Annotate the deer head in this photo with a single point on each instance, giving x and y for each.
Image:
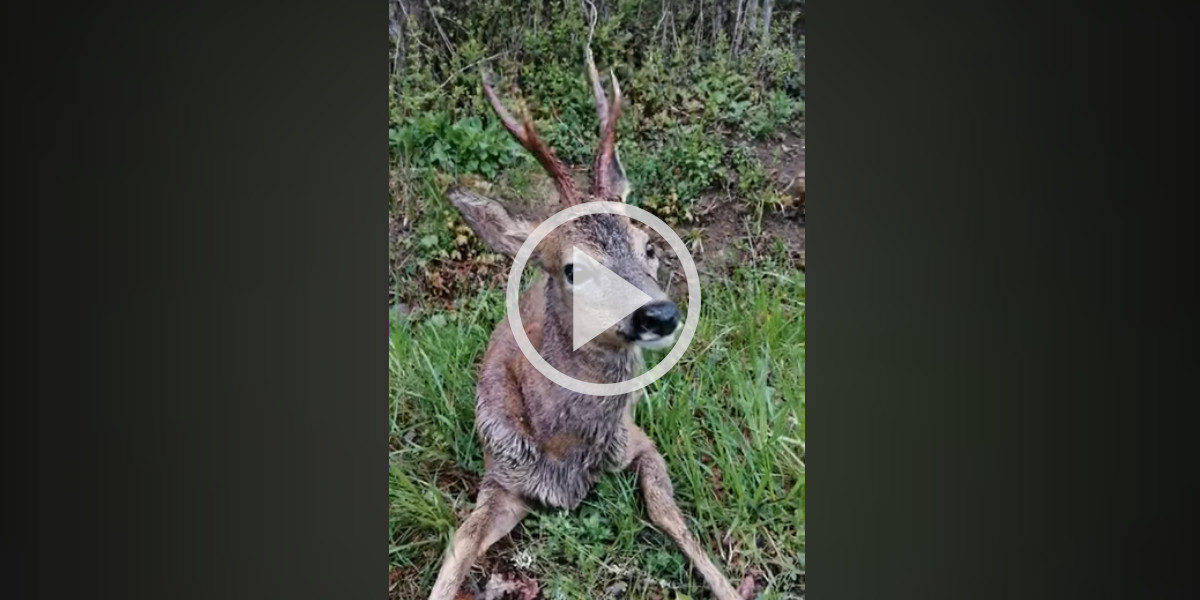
(610, 239)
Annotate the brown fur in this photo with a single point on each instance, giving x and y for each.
(544, 443)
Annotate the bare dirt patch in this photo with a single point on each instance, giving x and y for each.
(783, 159)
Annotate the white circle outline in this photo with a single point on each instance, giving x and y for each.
(513, 293)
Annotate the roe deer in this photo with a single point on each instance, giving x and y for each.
(542, 442)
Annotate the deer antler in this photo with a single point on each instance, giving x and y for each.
(608, 177)
(527, 136)
(597, 89)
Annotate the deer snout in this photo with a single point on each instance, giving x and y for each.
(655, 320)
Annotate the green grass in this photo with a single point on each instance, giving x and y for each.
(729, 418)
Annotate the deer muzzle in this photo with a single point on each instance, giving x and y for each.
(655, 322)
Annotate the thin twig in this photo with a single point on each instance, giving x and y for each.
(737, 26)
(438, 24)
(674, 33)
(456, 73)
(592, 14)
(659, 24)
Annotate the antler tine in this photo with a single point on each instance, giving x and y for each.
(506, 118)
(597, 89)
(527, 136)
(608, 135)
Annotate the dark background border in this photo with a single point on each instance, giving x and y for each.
(999, 296)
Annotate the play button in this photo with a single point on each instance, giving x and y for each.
(601, 298)
(591, 314)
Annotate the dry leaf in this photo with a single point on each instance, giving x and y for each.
(747, 588)
(513, 586)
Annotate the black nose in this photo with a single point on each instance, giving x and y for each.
(659, 318)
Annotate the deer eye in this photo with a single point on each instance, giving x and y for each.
(569, 272)
(649, 250)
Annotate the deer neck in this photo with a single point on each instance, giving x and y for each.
(595, 361)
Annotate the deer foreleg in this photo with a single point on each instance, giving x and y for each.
(496, 512)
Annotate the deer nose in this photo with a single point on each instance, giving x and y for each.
(659, 318)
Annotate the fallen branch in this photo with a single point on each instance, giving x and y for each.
(476, 63)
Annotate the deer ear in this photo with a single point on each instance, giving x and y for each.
(497, 227)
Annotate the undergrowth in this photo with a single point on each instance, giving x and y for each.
(690, 99)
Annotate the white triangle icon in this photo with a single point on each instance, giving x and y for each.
(601, 298)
